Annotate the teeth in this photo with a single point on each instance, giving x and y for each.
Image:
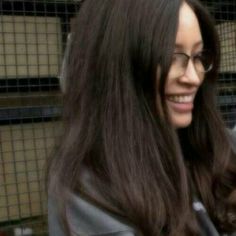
(185, 98)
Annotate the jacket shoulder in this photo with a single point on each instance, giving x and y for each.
(86, 219)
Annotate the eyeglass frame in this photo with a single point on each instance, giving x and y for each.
(193, 58)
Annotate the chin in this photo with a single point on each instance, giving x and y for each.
(181, 121)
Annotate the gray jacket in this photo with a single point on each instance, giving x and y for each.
(86, 219)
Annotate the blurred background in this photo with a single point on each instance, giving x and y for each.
(33, 39)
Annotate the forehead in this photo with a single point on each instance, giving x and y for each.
(189, 33)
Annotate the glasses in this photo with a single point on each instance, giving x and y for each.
(203, 63)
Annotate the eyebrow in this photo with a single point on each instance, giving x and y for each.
(197, 44)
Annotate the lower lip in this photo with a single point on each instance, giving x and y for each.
(181, 107)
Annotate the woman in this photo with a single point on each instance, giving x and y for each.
(143, 137)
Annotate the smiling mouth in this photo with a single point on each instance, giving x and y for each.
(181, 104)
(181, 98)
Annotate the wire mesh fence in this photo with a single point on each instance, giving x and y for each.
(32, 40)
(224, 13)
(33, 35)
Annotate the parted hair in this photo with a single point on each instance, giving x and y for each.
(116, 125)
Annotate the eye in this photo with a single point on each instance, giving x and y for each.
(178, 58)
(174, 57)
(199, 57)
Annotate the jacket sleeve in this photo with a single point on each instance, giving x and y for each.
(85, 219)
(232, 138)
(54, 225)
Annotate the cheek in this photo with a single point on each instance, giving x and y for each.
(169, 82)
(171, 76)
(202, 77)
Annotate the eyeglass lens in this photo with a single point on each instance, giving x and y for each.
(202, 62)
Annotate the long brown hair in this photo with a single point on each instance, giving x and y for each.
(115, 128)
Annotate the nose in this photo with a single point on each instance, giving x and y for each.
(191, 76)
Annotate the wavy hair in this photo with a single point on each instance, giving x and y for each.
(115, 124)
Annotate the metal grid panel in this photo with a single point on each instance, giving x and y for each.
(225, 16)
(227, 85)
(33, 35)
(32, 40)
